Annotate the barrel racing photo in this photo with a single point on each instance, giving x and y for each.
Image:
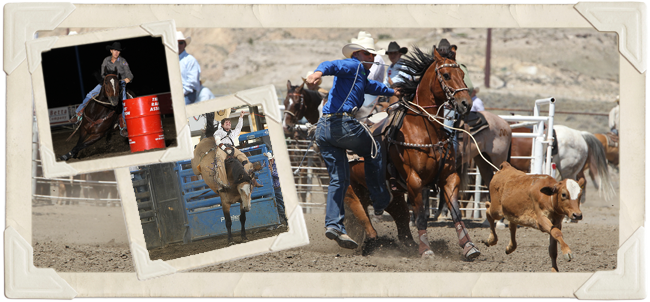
(108, 99)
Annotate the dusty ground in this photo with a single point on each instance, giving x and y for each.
(103, 148)
(87, 238)
(178, 250)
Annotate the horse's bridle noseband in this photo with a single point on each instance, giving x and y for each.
(449, 92)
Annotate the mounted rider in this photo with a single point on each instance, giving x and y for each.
(225, 137)
(112, 62)
(338, 131)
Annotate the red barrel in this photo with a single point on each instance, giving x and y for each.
(143, 123)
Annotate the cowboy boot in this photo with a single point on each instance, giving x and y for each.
(77, 117)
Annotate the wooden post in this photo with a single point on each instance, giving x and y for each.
(488, 54)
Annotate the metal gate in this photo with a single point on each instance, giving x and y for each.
(162, 213)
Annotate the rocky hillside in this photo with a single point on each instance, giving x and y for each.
(579, 67)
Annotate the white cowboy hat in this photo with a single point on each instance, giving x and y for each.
(72, 33)
(269, 155)
(364, 41)
(180, 36)
(320, 81)
(222, 114)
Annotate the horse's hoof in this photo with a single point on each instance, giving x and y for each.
(568, 257)
(428, 254)
(471, 252)
(231, 243)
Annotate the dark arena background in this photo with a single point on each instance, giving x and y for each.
(71, 72)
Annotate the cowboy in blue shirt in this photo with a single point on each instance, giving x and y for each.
(338, 130)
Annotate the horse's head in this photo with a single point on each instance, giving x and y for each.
(111, 86)
(294, 107)
(244, 190)
(449, 84)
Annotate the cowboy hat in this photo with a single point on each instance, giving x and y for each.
(364, 41)
(222, 114)
(116, 45)
(394, 47)
(269, 155)
(320, 81)
(180, 36)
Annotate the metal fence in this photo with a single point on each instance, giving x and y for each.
(97, 189)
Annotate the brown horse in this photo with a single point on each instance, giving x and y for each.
(357, 200)
(610, 143)
(421, 151)
(521, 146)
(100, 115)
(299, 103)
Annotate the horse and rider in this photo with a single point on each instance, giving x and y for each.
(120, 67)
(226, 170)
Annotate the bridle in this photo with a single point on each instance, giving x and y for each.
(300, 103)
(449, 92)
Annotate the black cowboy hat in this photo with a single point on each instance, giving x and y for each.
(116, 46)
(393, 47)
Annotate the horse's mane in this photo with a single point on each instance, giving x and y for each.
(415, 65)
(314, 95)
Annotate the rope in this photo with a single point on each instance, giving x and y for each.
(98, 101)
(434, 118)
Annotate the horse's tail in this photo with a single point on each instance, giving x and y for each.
(598, 166)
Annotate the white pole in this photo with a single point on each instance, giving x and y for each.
(34, 153)
(477, 196)
(549, 135)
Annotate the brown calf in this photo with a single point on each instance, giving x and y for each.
(537, 201)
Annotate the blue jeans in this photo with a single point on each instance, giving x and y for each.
(334, 135)
(191, 98)
(279, 200)
(96, 91)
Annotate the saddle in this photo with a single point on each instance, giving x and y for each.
(612, 139)
(476, 122)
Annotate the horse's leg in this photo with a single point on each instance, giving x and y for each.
(226, 215)
(451, 185)
(400, 213)
(418, 195)
(242, 219)
(358, 210)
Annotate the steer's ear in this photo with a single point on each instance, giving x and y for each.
(549, 190)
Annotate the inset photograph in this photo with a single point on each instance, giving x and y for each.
(227, 196)
(106, 98)
(229, 193)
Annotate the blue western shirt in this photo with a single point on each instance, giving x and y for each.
(344, 72)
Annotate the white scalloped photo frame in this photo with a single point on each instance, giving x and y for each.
(628, 281)
(296, 236)
(54, 168)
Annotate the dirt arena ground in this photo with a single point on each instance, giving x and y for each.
(93, 239)
(116, 146)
